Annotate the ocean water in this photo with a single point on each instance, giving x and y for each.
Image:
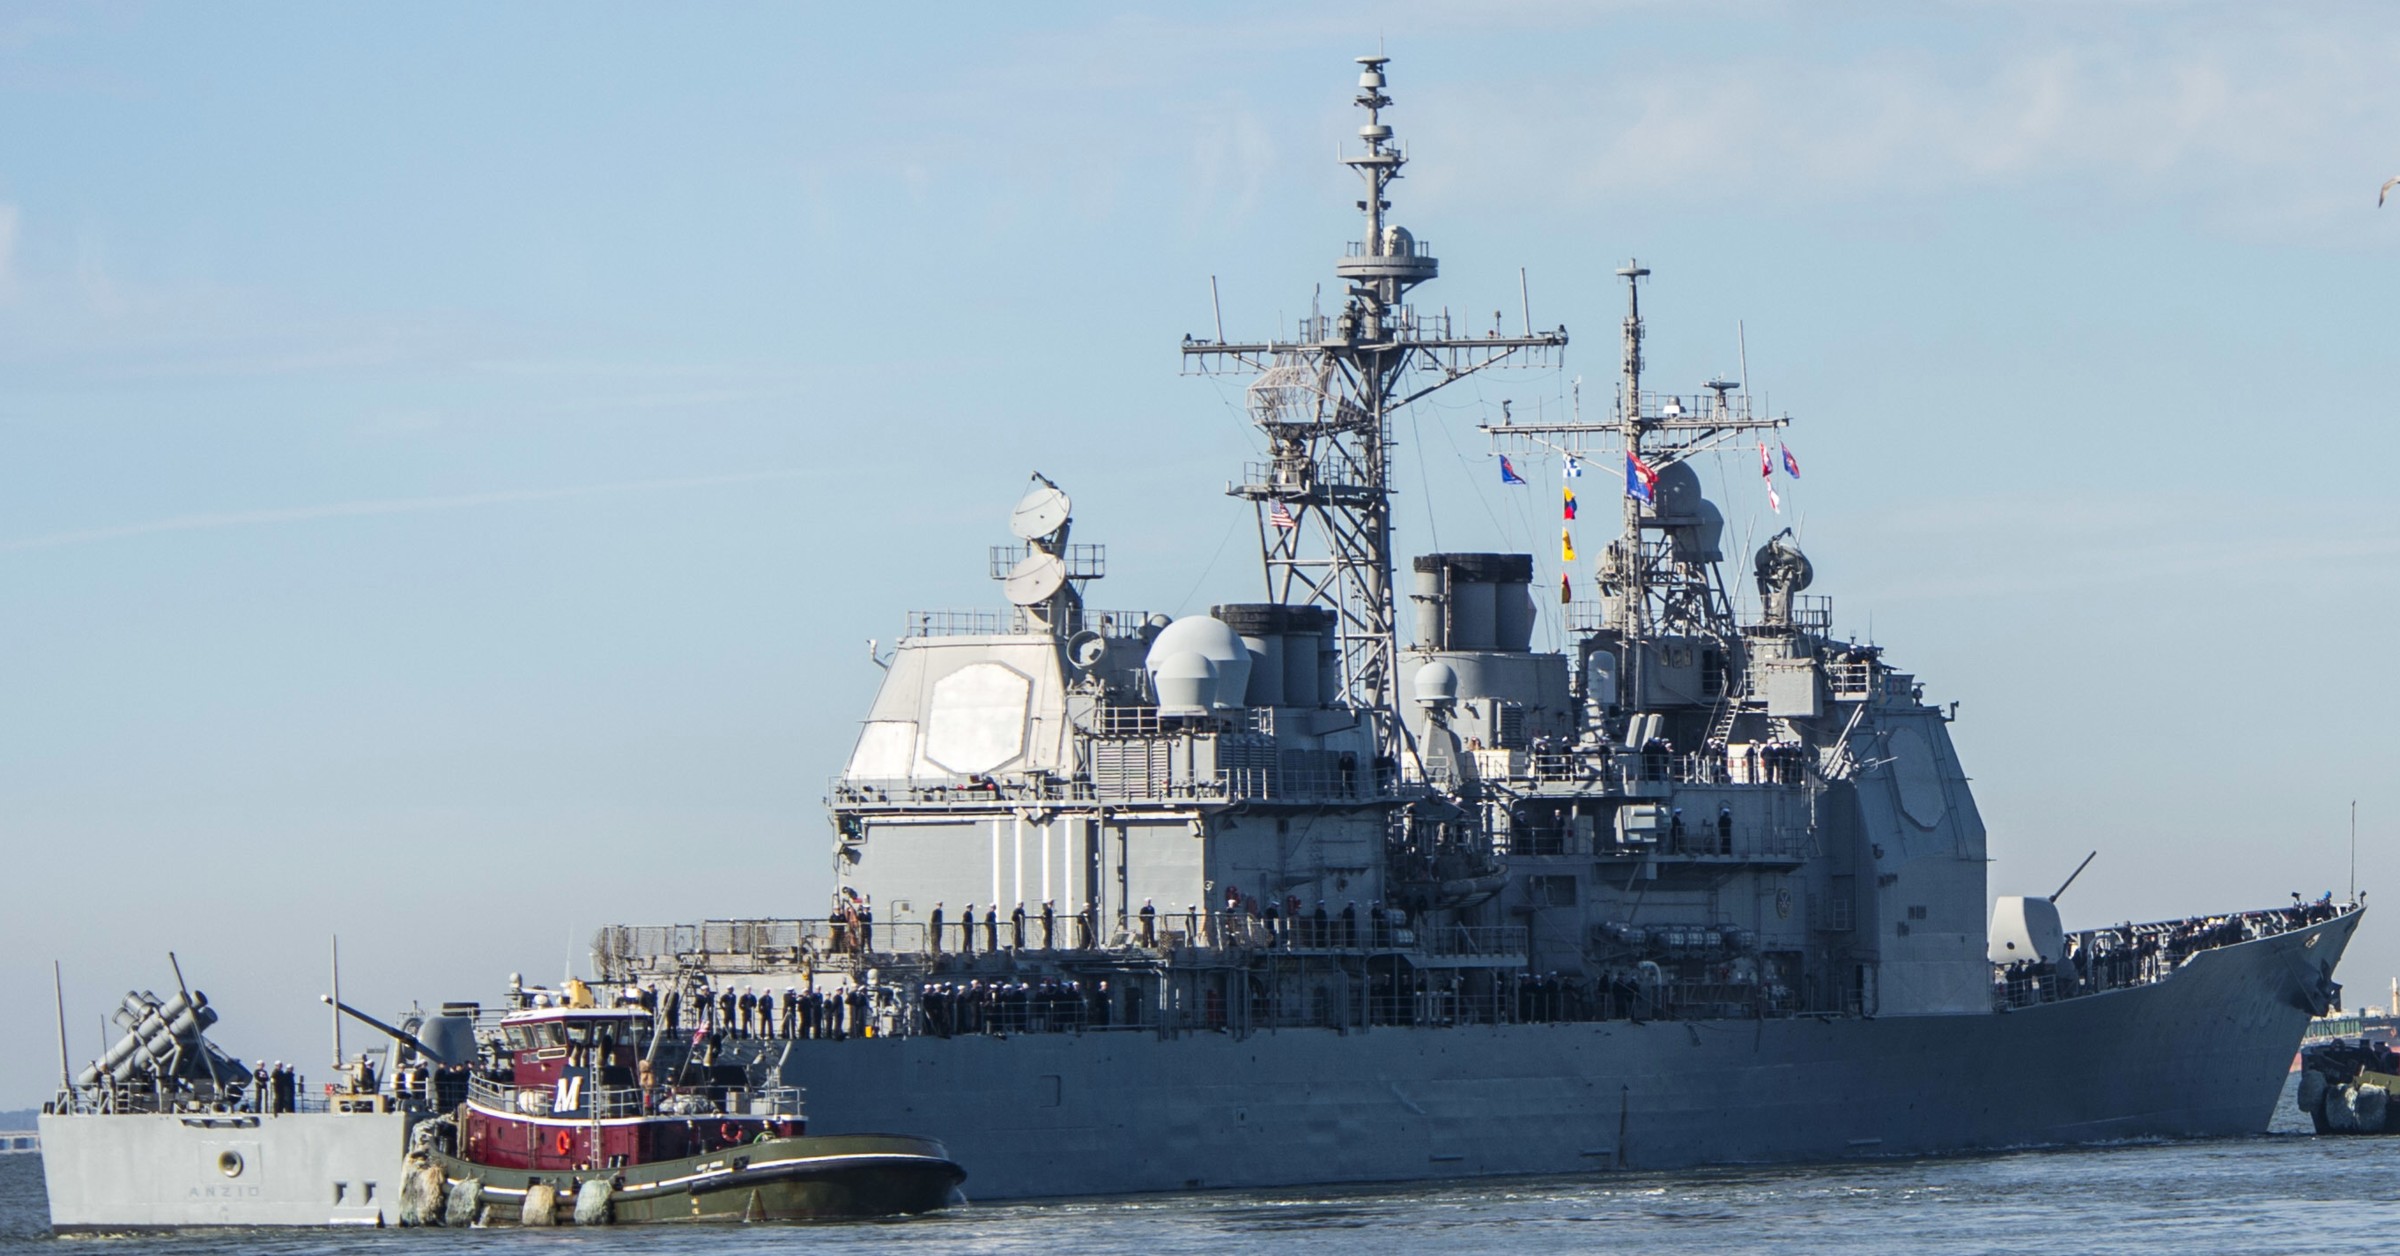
(2285, 1191)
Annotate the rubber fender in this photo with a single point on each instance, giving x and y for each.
(2372, 1102)
(2341, 1112)
(465, 1203)
(540, 1206)
(592, 1202)
(423, 1195)
(2311, 1099)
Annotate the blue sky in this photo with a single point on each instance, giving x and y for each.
(451, 460)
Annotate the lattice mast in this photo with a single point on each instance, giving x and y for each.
(1325, 401)
(1647, 589)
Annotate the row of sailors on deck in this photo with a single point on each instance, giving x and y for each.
(1282, 924)
(271, 1090)
(1085, 924)
(752, 1013)
(999, 1007)
(2127, 954)
(1720, 762)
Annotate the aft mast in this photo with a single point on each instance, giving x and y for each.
(1649, 586)
(1325, 400)
(1630, 619)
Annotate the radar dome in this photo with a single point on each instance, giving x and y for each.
(1212, 639)
(1436, 684)
(1678, 493)
(1185, 682)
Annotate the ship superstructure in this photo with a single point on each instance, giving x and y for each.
(1674, 814)
(1359, 856)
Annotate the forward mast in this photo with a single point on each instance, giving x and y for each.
(1325, 400)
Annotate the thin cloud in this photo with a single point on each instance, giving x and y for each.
(381, 506)
(2243, 118)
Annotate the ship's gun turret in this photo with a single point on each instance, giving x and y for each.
(455, 1048)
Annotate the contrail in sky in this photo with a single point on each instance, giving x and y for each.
(382, 506)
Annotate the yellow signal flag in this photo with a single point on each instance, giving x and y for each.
(1566, 545)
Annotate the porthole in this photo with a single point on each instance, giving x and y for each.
(229, 1163)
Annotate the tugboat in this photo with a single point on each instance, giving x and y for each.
(591, 1111)
(2346, 1086)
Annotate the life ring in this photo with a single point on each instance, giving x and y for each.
(565, 1142)
(730, 1132)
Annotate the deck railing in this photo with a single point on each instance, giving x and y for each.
(2124, 956)
(607, 1102)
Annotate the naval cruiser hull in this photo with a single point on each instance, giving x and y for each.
(2201, 1053)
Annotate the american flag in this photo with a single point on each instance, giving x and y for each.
(1281, 517)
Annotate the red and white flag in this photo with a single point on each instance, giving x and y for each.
(1281, 517)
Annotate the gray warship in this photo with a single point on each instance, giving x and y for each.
(166, 1131)
(1352, 883)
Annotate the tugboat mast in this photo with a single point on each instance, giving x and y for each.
(1325, 400)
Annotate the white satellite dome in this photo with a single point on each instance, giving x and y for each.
(1436, 684)
(1185, 682)
(1211, 639)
